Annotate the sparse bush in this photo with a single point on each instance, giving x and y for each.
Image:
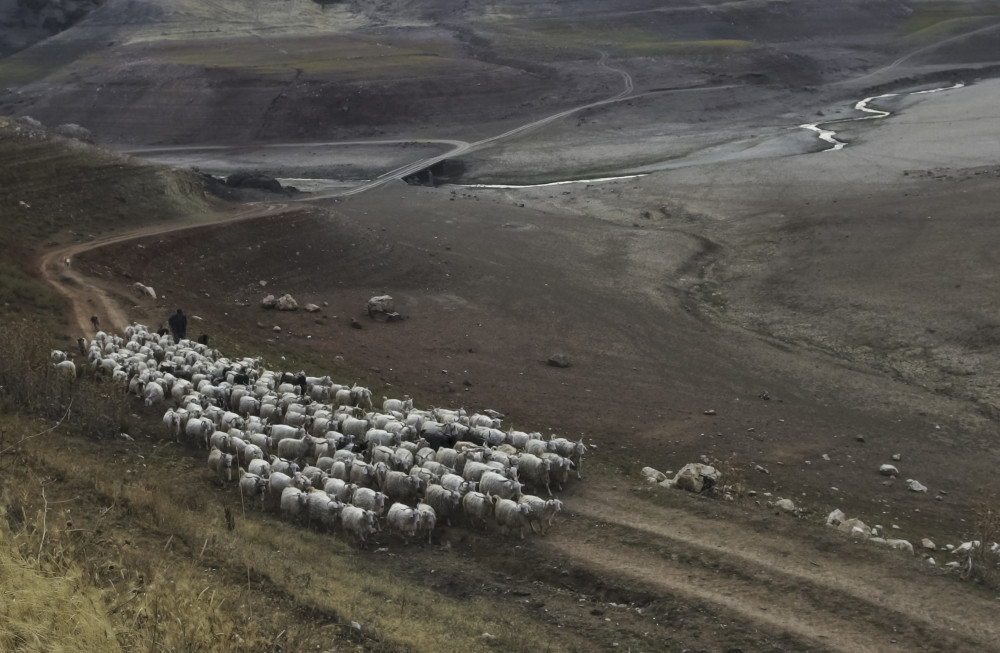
(30, 384)
(983, 563)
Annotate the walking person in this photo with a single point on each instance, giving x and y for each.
(178, 325)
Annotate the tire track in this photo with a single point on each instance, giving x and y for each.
(86, 299)
(834, 601)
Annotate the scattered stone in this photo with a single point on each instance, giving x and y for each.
(915, 486)
(276, 329)
(261, 325)
(326, 303)
(653, 476)
(72, 130)
(381, 305)
(762, 470)
(270, 301)
(902, 545)
(855, 528)
(928, 544)
(836, 517)
(287, 303)
(826, 456)
(355, 324)
(765, 395)
(931, 561)
(558, 360)
(710, 411)
(860, 438)
(896, 457)
(785, 504)
(888, 470)
(696, 477)
(311, 308)
(939, 498)
(263, 284)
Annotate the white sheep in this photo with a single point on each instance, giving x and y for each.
(494, 484)
(66, 368)
(444, 501)
(359, 523)
(293, 501)
(403, 520)
(222, 464)
(369, 499)
(511, 515)
(252, 486)
(541, 510)
(478, 507)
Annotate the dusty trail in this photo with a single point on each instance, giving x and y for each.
(87, 299)
(832, 599)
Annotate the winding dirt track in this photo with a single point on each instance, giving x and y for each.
(87, 299)
(832, 600)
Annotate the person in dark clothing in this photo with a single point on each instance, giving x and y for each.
(178, 325)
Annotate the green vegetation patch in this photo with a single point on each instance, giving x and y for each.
(937, 19)
(361, 57)
(637, 40)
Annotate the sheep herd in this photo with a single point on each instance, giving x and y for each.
(320, 453)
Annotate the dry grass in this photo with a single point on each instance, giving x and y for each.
(149, 535)
(29, 383)
(983, 563)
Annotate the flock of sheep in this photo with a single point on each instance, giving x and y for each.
(321, 453)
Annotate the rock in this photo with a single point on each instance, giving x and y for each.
(261, 325)
(710, 411)
(915, 486)
(311, 308)
(355, 324)
(653, 476)
(381, 305)
(859, 438)
(262, 283)
(269, 302)
(696, 477)
(902, 545)
(928, 544)
(876, 540)
(558, 360)
(287, 303)
(888, 470)
(836, 518)
(669, 483)
(276, 329)
(785, 504)
(855, 528)
(896, 457)
(253, 180)
(931, 561)
(72, 130)
(762, 470)
(826, 456)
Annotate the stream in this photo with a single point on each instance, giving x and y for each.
(829, 135)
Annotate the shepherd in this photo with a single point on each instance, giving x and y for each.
(178, 325)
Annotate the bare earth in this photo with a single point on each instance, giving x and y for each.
(831, 308)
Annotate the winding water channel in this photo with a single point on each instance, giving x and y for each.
(829, 135)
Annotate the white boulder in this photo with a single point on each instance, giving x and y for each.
(902, 545)
(888, 470)
(653, 476)
(695, 477)
(287, 303)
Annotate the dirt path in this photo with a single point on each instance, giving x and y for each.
(835, 599)
(86, 299)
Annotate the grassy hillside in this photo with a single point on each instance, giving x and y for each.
(58, 190)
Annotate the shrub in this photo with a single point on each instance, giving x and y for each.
(30, 384)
